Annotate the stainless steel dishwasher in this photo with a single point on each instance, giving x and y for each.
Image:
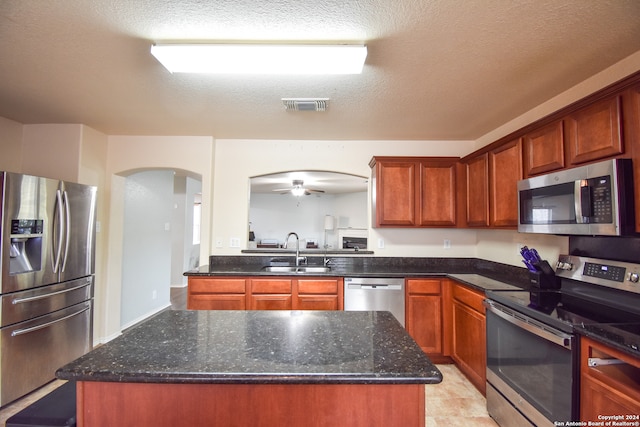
(375, 294)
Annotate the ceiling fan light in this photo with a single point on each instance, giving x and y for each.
(261, 58)
(298, 191)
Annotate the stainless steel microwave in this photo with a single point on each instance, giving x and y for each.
(595, 199)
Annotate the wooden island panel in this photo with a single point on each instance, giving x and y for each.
(266, 405)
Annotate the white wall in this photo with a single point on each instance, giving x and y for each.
(237, 160)
(130, 154)
(272, 216)
(146, 254)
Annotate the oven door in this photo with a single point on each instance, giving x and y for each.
(532, 367)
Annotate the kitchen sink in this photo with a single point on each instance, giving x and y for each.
(297, 269)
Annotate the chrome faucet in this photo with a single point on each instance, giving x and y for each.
(298, 257)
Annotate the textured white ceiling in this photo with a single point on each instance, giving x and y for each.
(437, 69)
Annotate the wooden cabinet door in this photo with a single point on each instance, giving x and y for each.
(316, 302)
(506, 169)
(270, 294)
(437, 193)
(208, 293)
(478, 191)
(544, 149)
(609, 389)
(594, 132)
(395, 193)
(423, 314)
(317, 294)
(631, 127)
(469, 348)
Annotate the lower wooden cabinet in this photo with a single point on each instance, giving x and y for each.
(205, 293)
(319, 294)
(424, 316)
(612, 389)
(264, 293)
(468, 344)
(270, 294)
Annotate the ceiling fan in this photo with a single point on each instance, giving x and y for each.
(297, 189)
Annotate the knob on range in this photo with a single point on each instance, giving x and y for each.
(564, 265)
(634, 277)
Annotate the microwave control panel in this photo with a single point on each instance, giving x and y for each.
(601, 200)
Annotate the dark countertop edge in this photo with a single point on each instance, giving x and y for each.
(461, 269)
(252, 379)
(604, 340)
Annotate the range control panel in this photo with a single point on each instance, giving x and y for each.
(614, 274)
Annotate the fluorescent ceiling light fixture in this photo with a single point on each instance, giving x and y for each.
(261, 58)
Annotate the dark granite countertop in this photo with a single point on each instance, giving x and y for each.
(477, 273)
(483, 283)
(259, 347)
(623, 337)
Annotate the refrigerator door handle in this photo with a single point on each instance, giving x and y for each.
(67, 222)
(50, 294)
(57, 245)
(47, 324)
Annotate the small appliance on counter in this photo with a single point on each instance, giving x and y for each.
(541, 274)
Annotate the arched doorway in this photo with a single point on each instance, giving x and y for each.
(158, 242)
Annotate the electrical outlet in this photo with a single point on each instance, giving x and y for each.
(447, 244)
(380, 243)
(219, 243)
(154, 294)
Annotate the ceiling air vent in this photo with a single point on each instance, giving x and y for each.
(305, 104)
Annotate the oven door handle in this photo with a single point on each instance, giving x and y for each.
(530, 325)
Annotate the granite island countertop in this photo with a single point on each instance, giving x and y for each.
(259, 347)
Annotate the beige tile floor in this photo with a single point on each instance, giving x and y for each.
(455, 402)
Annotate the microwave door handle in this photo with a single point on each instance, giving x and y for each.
(577, 202)
(585, 201)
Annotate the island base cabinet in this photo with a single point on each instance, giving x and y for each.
(266, 405)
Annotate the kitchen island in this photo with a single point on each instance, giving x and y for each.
(258, 368)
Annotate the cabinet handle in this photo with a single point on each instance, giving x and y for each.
(597, 361)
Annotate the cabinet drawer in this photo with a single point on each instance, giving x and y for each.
(217, 286)
(217, 302)
(271, 286)
(468, 297)
(318, 286)
(424, 286)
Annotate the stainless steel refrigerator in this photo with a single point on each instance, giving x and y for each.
(47, 259)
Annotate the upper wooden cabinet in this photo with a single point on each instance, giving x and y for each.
(505, 166)
(414, 191)
(477, 170)
(543, 150)
(631, 128)
(594, 132)
(492, 186)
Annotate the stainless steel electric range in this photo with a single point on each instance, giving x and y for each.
(532, 338)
